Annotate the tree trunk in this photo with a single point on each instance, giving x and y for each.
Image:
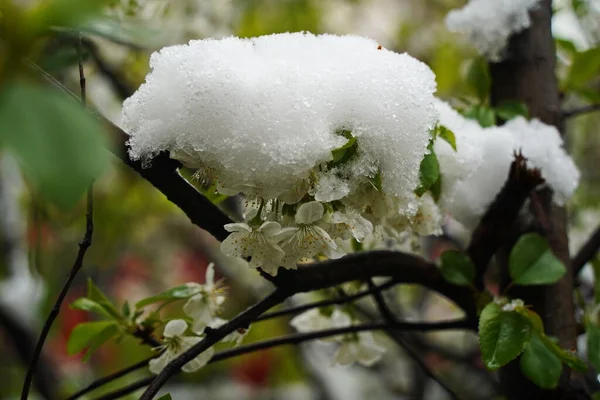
(527, 75)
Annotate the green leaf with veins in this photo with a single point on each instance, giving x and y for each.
(531, 262)
(503, 335)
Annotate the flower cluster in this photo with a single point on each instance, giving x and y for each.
(332, 141)
(202, 306)
(355, 347)
(489, 23)
(324, 136)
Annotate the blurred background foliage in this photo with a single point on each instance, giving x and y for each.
(50, 152)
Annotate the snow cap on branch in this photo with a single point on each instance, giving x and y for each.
(489, 23)
(474, 174)
(262, 113)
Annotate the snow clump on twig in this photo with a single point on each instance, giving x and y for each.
(489, 23)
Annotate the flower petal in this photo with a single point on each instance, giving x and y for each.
(237, 227)
(175, 327)
(158, 364)
(310, 212)
(270, 228)
(210, 275)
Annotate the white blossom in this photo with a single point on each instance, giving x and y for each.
(207, 302)
(259, 244)
(360, 348)
(311, 320)
(489, 23)
(428, 218)
(349, 224)
(236, 336)
(175, 343)
(307, 239)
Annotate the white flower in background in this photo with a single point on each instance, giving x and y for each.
(311, 320)
(236, 336)
(345, 225)
(175, 343)
(428, 219)
(489, 23)
(308, 239)
(353, 347)
(360, 348)
(259, 244)
(204, 305)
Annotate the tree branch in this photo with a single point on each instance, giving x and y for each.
(389, 317)
(242, 320)
(324, 303)
(109, 378)
(581, 110)
(494, 228)
(77, 265)
(587, 252)
(298, 338)
(404, 268)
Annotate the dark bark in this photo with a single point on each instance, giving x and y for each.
(527, 75)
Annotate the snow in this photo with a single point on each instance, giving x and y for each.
(266, 112)
(474, 174)
(488, 24)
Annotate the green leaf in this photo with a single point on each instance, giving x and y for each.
(502, 335)
(376, 181)
(568, 357)
(429, 172)
(540, 365)
(593, 344)
(128, 32)
(176, 293)
(99, 340)
(457, 268)
(584, 68)
(531, 262)
(65, 12)
(57, 142)
(344, 153)
(566, 45)
(478, 78)
(95, 294)
(85, 304)
(447, 135)
(482, 114)
(508, 110)
(165, 397)
(90, 333)
(126, 310)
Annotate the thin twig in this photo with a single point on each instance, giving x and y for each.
(388, 316)
(324, 303)
(109, 378)
(298, 338)
(77, 265)
(581, 110)
(587, 252)
(280, 313)
(124, 391)
(242, 320)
